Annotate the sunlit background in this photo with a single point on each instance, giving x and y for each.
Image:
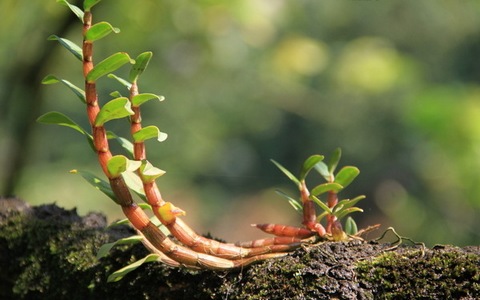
(395, 84)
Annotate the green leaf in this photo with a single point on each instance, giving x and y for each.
(322, 168)
(99, 31)
(149, 132)
(51, 79)
(69, 45)
(114, 109)
(76, 10)
(326, 187)
(124, 143)
(105, 248)
(141, 63)
(346, 203)
(346, 175)
(123, 221)
(321, 204)
(321, 216)
(309, 164)
(345, 212)
(122, 81)
(108, 65)
(116, 94)
(350, 226)
(88, 4)
(287, 173)
(119, 274)
(97, 183)
(294, 203)
(149, 172)
(333, 162)
(57, 118)
(142, 98)
(119, 164)
(135, 184)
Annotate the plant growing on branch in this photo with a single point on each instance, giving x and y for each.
(133, 174)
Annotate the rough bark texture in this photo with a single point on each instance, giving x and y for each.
(47, 252)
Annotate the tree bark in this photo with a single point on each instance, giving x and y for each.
(47, 252)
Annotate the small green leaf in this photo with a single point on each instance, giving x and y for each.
(321, 204)
(346, 203)
(309, 164)
(69, 45)
(105, 248)
(287, 173)
(135, 184)
(149, 132)
(122, 81)
(149, 172)
(326, 187)
(322, 168)
(321, 216)
(333, 162)
(100, 30)
(345, 212)
(76, 10)
(119, 164)
(346, 175)
(350, 226)
(126, 144)
(55, 117)
(88, 4)
(294, 203)
(119, 274)
(51, 79)
(108, 65)
(114, 109)
(97, 182)
(141, 63)
(58, 118)
(116, 94)
(142, 98)
(123, 221)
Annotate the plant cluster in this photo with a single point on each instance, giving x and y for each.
(132, 174)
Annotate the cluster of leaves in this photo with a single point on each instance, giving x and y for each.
(117, 108)
(334, 183)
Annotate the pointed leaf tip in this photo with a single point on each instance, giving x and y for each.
(69, 45)
(75, 9)
(51, 79)
(119, 274)
(286, 172)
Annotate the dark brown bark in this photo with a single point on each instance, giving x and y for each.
(47, 252)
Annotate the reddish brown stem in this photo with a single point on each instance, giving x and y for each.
(176, 226)
(135, 214)
(309, 212)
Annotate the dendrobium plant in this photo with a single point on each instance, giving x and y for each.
(135, 174)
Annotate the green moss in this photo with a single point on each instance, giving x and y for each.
(438, 274)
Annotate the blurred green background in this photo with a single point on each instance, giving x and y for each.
(395, 84)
